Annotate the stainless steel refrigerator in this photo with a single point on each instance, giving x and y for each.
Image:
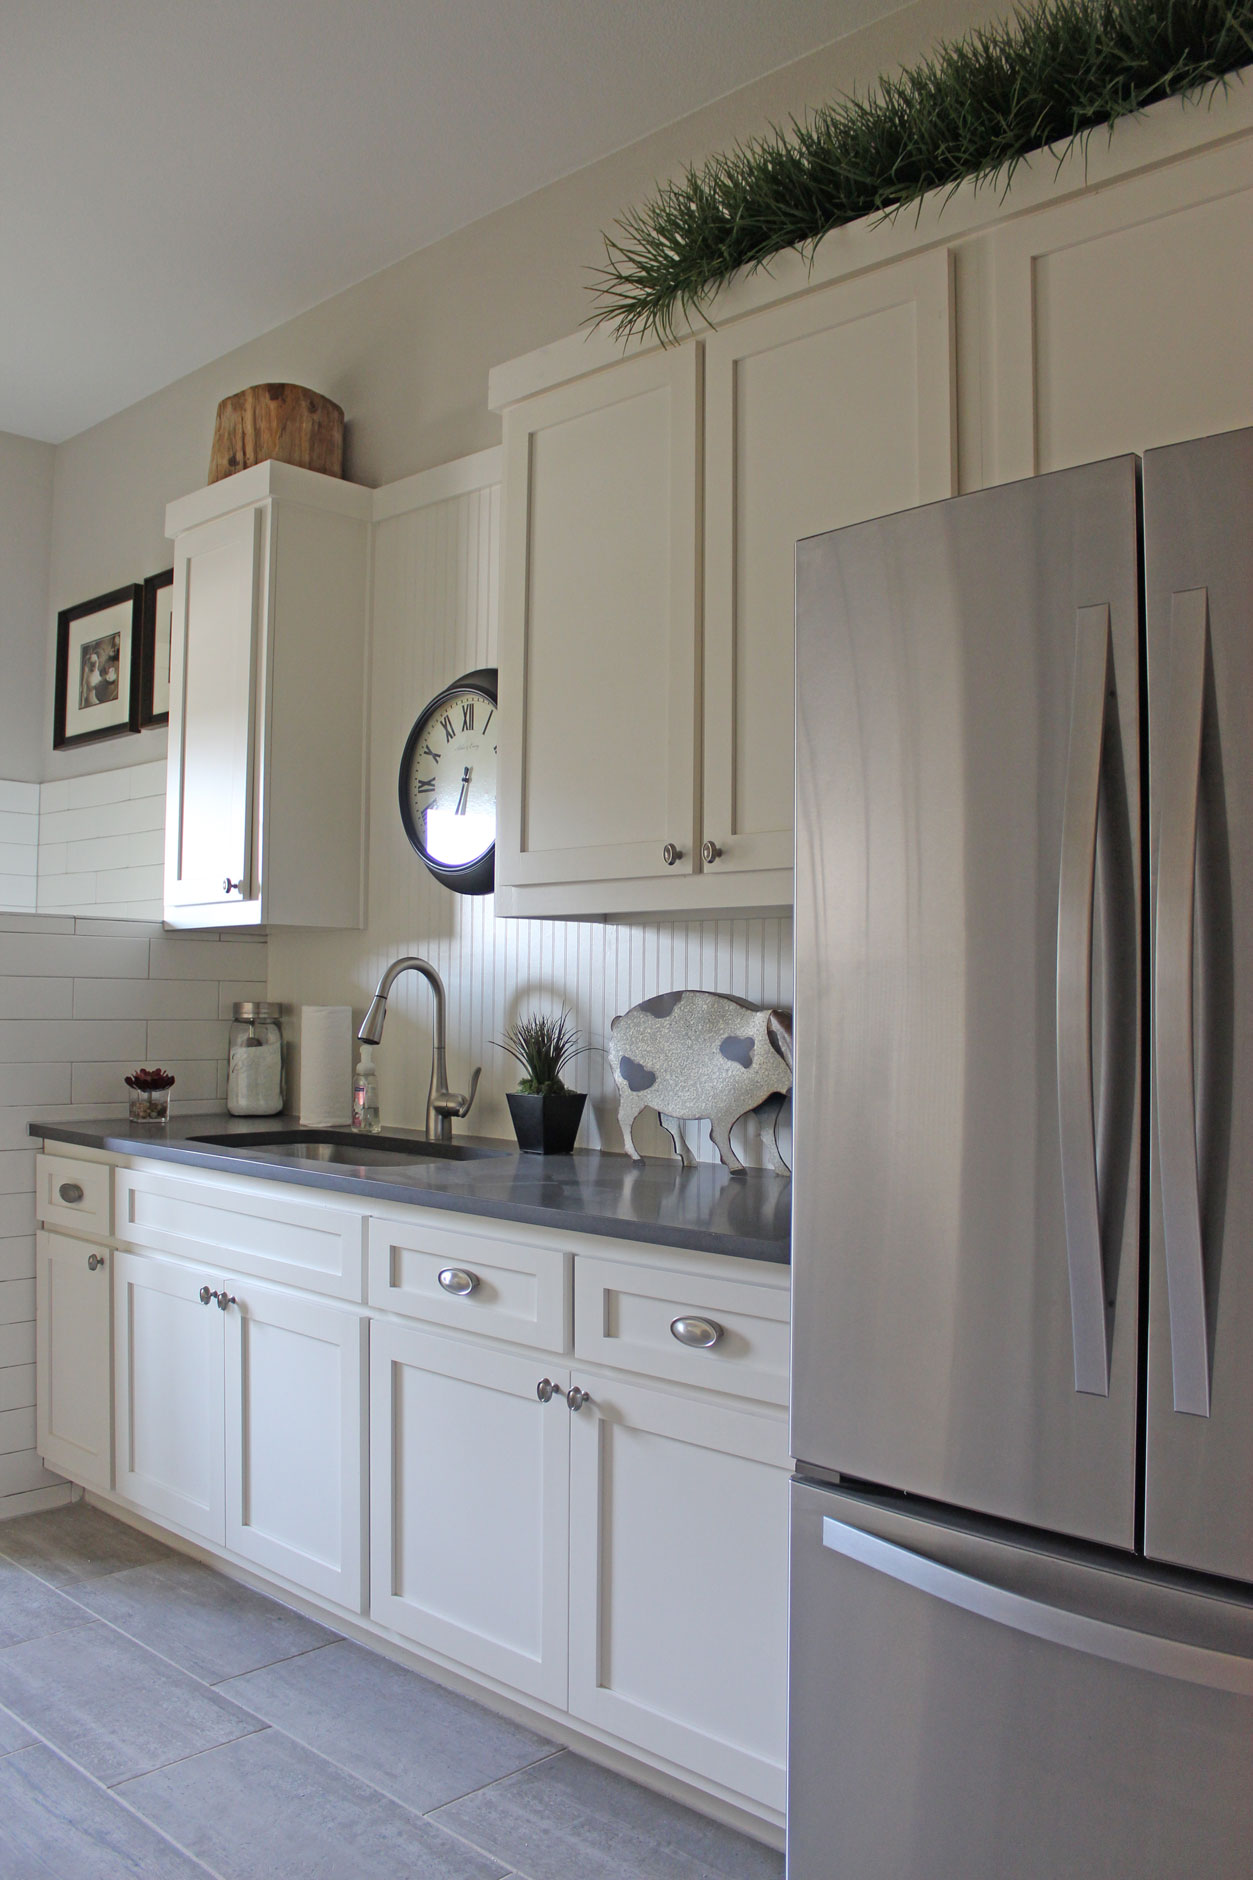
(1022, 1525)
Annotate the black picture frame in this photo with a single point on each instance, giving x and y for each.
(149, 652)
(78, 655)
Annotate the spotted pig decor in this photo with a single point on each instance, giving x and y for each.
(689, 1055)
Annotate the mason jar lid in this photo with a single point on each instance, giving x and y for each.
(250, 1010)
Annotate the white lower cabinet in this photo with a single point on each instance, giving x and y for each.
(678, 1580)
(244, 1424)
(170, 1394)
(73, 1376)
(469, 1505)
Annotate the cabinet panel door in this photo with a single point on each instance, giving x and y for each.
(830, 409)
(678, 1581)
(468, 1506)
(73, 1358)
(210, 788)
(1122, 317)
(169, 1396)
(295, 1438)
(598, 641)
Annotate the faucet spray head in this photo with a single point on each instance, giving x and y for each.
(371, 1031)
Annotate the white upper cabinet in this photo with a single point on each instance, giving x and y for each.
(824, 411)
(599, 660)
(265, 800)
(1122, 316)
(646, 759)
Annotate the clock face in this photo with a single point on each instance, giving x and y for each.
(448, 784)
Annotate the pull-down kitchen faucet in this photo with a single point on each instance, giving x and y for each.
(442, 1104)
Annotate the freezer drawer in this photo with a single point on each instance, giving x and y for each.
(965, 1709)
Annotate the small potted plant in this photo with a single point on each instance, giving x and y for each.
(545, 1114)
(150, 1095)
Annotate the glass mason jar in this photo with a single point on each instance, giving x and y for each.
(254, 1071)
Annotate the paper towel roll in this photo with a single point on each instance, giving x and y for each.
(325, 1065)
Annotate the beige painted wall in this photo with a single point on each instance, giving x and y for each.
(26, 471)
(408, 351)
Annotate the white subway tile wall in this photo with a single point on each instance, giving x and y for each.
(82, 1002)
(102, 843)
(19, 845)
(435, 606)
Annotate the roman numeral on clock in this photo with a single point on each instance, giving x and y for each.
(449, 733)
(467, 716)
(426, 786)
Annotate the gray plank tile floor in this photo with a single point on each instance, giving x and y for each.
(158, 1721)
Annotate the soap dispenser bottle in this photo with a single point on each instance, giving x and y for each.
(365, 1094)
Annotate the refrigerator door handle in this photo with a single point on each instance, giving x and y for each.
(1075, 891)
(1057, 1625)
(1172, 1004)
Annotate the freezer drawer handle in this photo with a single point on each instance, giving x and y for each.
(1143, 1651)
(1076, 886)
(1172, 1004)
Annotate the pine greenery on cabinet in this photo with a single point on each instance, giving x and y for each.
(975, 108)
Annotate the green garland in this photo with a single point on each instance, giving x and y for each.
(975, 108)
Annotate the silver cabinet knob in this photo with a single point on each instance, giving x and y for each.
(457, 1281)
(698, 1334)
(224, 1300)
(670, 855)
(576, 1398)
(94, 1261)
(233, 887)
(709, 852)
(545, 1390)
(207, 1295)
(71, 1192)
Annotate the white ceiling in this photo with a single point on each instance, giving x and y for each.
(181, 175)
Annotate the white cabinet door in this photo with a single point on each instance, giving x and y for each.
(1122, 317)
(598, 644)
(678, 1581)
(73, 1358)
(210, 786)
(468, 1505)
(829, 409)
(169, 1393)
(295, 1438)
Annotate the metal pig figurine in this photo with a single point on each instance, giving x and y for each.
(694, 1054)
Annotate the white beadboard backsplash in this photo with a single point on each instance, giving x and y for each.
(435, 607)
(82, 1002)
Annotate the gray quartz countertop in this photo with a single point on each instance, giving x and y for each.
(747, 1216)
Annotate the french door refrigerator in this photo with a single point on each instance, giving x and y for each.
(1022, 1541)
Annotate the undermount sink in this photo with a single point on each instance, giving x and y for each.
(346, 1148)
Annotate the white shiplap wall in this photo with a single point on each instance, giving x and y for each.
(19, 845)
(435, 609)
(102, 843)
(82, 1002)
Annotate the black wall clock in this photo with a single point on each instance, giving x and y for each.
(448, 784)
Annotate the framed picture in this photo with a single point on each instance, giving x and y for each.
(97, 693)
(154, 649)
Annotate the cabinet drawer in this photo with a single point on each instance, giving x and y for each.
(253, 1227)
(72, 1194)
(492, 1284)
(631, 1316)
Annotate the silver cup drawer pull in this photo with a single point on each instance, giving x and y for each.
(457, 1281)
(696, 1334)
(71, 1192)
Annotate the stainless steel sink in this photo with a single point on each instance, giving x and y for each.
(345, 1148)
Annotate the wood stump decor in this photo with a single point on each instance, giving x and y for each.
(288, 422)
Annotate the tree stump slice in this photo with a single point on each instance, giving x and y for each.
(288, 422)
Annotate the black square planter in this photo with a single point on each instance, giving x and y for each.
(546, 1125)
